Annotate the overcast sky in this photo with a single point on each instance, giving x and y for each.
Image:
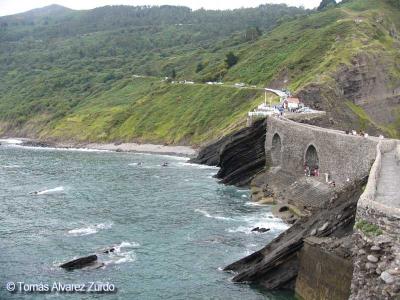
(8, 7)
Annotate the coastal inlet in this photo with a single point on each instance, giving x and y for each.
(172, 227)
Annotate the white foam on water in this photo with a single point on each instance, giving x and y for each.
(262, 221)
(10, 166)
(63, 149)
(176, 157)
(186, 164)
(91, 229)
(58, 189)
(11, 141)
(120, 255)
(82, 231)
(255, 204)
(136, 164)
(126, 245)
(206, 214)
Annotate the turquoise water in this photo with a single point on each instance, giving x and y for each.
(173, 227)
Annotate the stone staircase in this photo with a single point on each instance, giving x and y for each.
(301, 191)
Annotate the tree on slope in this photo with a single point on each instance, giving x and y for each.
(231, 59)
(326, 4)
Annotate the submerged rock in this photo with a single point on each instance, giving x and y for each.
(109, 250)
(260, 229)
(82, 262)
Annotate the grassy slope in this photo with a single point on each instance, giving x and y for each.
(303, 51)
(144, 109)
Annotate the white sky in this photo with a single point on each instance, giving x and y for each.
(8, 7)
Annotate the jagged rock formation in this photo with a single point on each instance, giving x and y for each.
(276, 265)
(241, 155)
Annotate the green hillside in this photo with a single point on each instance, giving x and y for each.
(70, 75)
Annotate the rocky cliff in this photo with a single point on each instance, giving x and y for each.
(276, 266)
(240, 155)
(365, 95)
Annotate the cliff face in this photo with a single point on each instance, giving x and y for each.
(240, 155)
(365, 95)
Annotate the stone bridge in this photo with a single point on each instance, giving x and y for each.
(347, 235)
(291, 145)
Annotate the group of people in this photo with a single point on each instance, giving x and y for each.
(314, 171)
(311, 171)
(353, 132)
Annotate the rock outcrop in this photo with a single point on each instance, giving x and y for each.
(367, 82)
(80, 263)
(240, 155)
(276, 265)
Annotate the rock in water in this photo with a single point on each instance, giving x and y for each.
(80, 263)
(261, 230)
(109, 250)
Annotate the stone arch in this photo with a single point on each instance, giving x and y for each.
(311, 158)
(276, 150)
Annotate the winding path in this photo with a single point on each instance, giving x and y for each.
(388, 188)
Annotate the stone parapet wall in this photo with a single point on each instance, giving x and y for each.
(367, 199)
(344, 157)
(376, 241)
(322, 274)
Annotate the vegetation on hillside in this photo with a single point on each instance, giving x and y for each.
(74, 74)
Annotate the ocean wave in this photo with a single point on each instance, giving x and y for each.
(175, 157)
(121, 254)
(58, 189)
(259, 220)
(10, 166)
(11, 141)
(186, 164)
(62, 149)
(206, 214)
(249, 203)
(82, 231)
(92, 229)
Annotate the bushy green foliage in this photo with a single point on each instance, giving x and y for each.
(73, 74)
(368, 228)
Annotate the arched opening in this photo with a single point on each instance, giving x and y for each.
(311, 158)
(276, 150)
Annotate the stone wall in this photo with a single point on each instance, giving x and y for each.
(322, 274)
(344, 157)
(376, 241)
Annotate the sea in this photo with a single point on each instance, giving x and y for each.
(173, 228)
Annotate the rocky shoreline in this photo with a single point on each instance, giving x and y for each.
(319, 241)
